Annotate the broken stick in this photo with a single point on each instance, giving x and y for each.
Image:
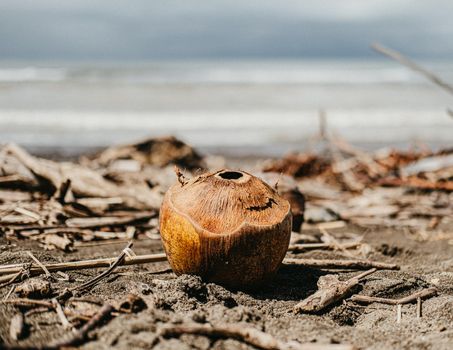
(44, 269)
(412, 65)
(92, 282)
(330, 291)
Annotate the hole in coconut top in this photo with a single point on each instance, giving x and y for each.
(230, 175)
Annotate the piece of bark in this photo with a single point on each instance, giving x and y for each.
(330, 291)
(56, 241)
(34, 288)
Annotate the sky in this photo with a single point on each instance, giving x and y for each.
(79, 30)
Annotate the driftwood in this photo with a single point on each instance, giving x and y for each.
(340, 264)
(330, 291)
(247, 335)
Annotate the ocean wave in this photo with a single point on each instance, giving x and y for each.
(215, 73)
(30, 74)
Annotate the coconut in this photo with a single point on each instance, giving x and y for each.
(229, 227)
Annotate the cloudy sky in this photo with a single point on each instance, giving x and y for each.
(221, 29)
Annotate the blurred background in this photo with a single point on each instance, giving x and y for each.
(227, 76)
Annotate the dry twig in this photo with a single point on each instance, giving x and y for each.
(412, 65)
(92, 282)
(48, 275)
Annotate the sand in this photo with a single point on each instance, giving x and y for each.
(179, 299)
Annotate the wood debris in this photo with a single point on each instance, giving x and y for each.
(7, 270)
(114, 197)
(387, 187)
(34, 288)
(61, 203)
(331, 289)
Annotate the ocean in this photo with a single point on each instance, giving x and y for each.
(240, 108)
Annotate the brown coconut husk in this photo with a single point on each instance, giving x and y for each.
(228, 227)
